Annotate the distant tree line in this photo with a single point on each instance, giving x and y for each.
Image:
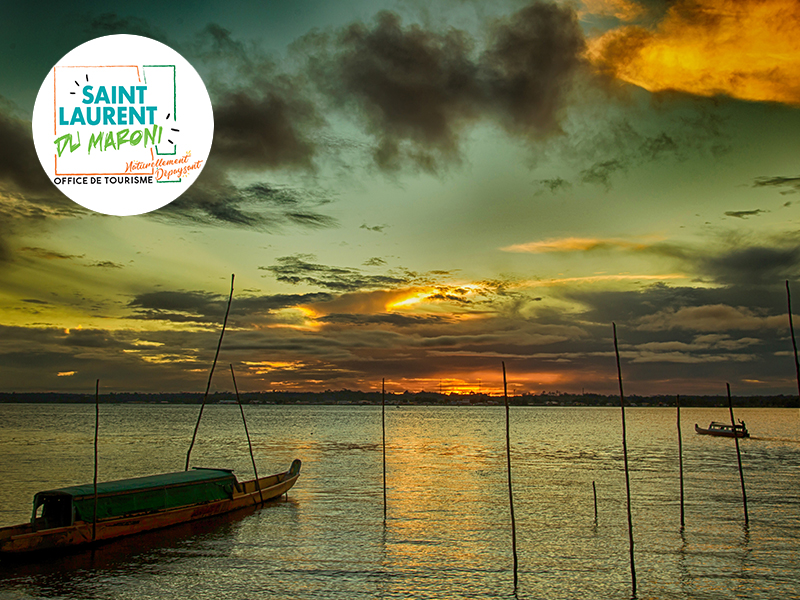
(406, 398)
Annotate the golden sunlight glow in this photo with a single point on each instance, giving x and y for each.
(147, 343)
(444, 292)
(747, 49)
(410, 300)
(308, 313)
(488, 382)
(263, 367)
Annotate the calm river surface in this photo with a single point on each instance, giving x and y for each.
(448, 532)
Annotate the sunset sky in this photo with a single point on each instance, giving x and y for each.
(418, 191)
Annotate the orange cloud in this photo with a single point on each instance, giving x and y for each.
(572, 245)
(747, 49)
(602, 278)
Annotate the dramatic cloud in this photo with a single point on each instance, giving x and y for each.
(793, 183)
(735, 260)
(418, 89)
(258, 127)
(298, 269)
(717, 317)
(207, 308)
(746, 49)
(754, 265)
(262, 117)
(215, 200)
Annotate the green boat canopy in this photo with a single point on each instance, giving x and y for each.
(136, 496)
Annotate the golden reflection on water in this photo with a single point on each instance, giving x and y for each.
(447, 533)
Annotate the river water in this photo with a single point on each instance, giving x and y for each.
(448, 530)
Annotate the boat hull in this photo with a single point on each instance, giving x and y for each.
(721, 432)
(23, 539)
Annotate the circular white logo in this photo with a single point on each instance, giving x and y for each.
(123, 125)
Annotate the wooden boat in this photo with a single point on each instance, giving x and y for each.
(724, 429)
(64, 518)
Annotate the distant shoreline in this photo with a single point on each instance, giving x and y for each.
(349, 397)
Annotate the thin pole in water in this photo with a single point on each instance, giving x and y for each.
(738, 454)
(383, 428)
(625, 457)
(680, 459)
(96, 438)
(594, 492)
(794, 341)
(247, 433)
(210, 375)
(510, 492)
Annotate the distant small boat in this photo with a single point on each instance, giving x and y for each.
(724, 429)
(63, 518)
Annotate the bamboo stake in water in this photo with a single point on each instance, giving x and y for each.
(383, 428)
(794, 342)
(738, 454)
(210, 375)
(680, 459)
(96, 437)
(247, 433)
(625, 457)
(594, 492)
(510, 492)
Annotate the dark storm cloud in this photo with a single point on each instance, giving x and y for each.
(256, 128)
(215, 200)
(418, 89)
(19, 164)
(529, 66)
(262, 117)
(754, 265)
(792, 183)
(298, 269)
(48, 254)
(743, 214)
(601, 172)
(739, 260)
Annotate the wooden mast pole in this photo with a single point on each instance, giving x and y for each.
(794, 341)
(738, 454)
(247, 433)
(680, 459)
(625, 457)
(383, 429)
(510, 492)
(210, 375)
(96, 439)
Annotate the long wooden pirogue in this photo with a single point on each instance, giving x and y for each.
(65, 518)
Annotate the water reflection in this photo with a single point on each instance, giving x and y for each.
(447, 533)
